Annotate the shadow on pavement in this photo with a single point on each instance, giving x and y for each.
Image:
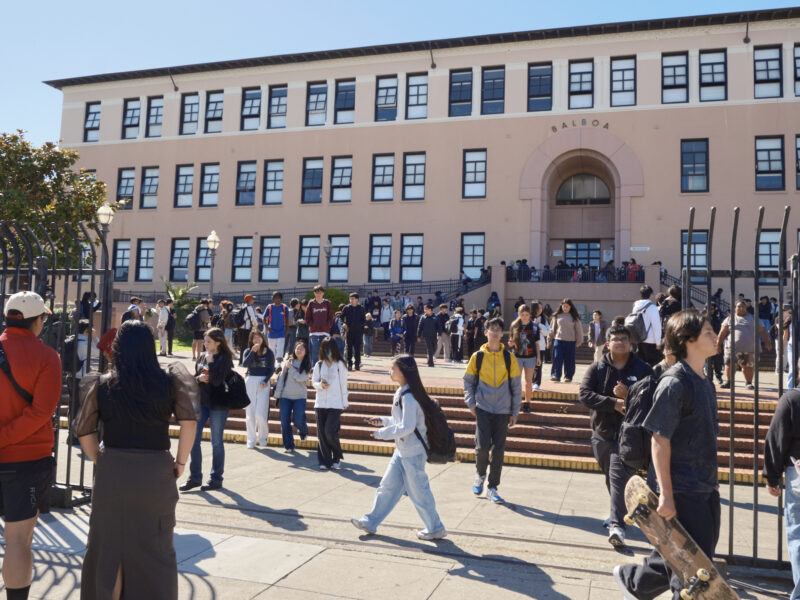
(288, 519)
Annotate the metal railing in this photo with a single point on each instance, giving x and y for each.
(573, 275)
(696, 294)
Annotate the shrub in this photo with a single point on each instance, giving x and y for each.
(335, 296)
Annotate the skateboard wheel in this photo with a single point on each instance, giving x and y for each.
(703, 574)
(642, 498)
(686, 595)
(628, 520)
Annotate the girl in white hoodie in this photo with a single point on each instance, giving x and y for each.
(329, 379)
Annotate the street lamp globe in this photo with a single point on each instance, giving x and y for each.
(105, 214)
(212, 241)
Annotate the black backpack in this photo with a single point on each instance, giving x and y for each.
(69, 357)
(239, 316)
(193, 321)
(171, 319)
(441, 446)
(127, 316)
(634, 439)
(452, 325)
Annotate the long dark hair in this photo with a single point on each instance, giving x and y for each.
(216, 334)
(572, 310)
(141, 389)
(329, 346)
(408, 367)
(255, 331)
(305, 364)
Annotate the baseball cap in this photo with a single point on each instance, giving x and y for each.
(30, 304)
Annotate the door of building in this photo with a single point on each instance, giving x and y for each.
(582, 252)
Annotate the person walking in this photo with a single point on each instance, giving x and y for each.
(406, 470)
(429, 329)
(291, 324)
(225, 321)
(329, 378)
(566, 334)
(396, 333)
(410, 323)
(291, 394)
(134, 492)
(204, 318)
(319, 319)
(161, 327)
(302, 326)
(649, 349)
(211, 370)
(353, 321)
(455, 328)
(524, 343)
(172, 321)
(368, 333)
(597, 335)
(744, 327)
(492, 393)
(276, 325)
(386, 316)
(443, 343)
(544, 330)
(259, 361)
(249, 321)
(469, 332)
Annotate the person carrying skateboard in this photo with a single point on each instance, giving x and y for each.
(684, 426)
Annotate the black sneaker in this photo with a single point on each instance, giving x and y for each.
(725, 385)
(189, 485)
(211, 485)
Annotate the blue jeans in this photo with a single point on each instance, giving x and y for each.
(791, 513)
(314, 343)
(404, 475)
(217, 420)
(563, 355)
(368, 338)
(293, 410)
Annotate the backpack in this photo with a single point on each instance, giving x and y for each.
(239, 316)
(127, 316)
(506, 359)
(69, 357)
(635, 324)
(634, 439)
(452, 325)
(441, 447)
(193, 321)
(171, 319)
(218, 320)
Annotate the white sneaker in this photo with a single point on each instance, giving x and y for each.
(477, 485)
(359, 524)
(251, 445)
(428, 536)
(491, 494)
(323, 468)
(535, 387)
(626, 594)
(337, 466)
(616, 536)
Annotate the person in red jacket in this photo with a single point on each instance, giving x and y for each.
(319, 318)
(26, 433)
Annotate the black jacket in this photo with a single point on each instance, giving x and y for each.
(353, 317)
(783, 438)
(429, 327)
(410, 324)
(597, 392)
(443, 318)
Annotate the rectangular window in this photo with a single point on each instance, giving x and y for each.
(694, 166)
(273, 182)
(214, 112)
(316, 103)
(145, 258)
(184, 185)
(386, 98)
(797, 159)
(796, 70)
(202, 264)
(767, 72)
(411, 257)
(382, 177)
(270, 258)
(242, 259)
(582, 252)
(190, 113)
(472, 253)
(130, 119)
(209, 191)
(251, 108)
(122, 259)
(155, 116)
(179, 261)
(246, 184)
(699, 253)
(125, 182)
(769, 247)
(623, 81)
(417, 96)
(380, 258)
(474, 175)
(460, 93)
(769, 163)
(674, 78)
(414, 176)
(308, 264)
(345, 105)
(493, 90)
(341, 179)
(91, 124)
(338, 265)
(277, 107)
(149, 193)
(312, 180)
(540, 87)
(713, 75)
(581, 84)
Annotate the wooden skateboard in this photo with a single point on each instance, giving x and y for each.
(697, 574)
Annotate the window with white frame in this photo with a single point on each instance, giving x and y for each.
(417, 96)
(345, 104)
(125, 183)
(694, 165)
(130, 118)
(242, 259)
(270, 258)
(674, 78)
(312, 181)
(767, 72)
(414, 176)
(308, 265)
(699, 253)
(493, 90)
(769, 163)
(713, 75)
(769, 247)
(380, 257)
(145, 259)
(474, 177)
(473, 247)
(122, 259)
(623, 81)
(179, 261)
(91, 124)
(149, 192)
(251, 108)
(273, 182)
(246, 184)
(460, 93)
(209, 190)
(202, 263)
(277, 107)
(155, 116)
(386, 98)
(581, 84)
(214, 102)
(341, 179)
(190, 113)
(184, 185)
(338, 265)
(540, 87)
(411, 257)
(316, 103)
(382, 177)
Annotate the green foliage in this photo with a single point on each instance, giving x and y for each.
(183, 303)
(335, 296)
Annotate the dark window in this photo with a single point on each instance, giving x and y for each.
(582, 252)
(581, 84)
(312, 180)
(273, 182)
(583, 189)
(769, 163)
(460, 93)
(155, 116)
(125, 182)
(179, 262)
(149, 193)
(767, 72)
(345, 105)
(242, 259)
(145, 259)
(277, 107)
(341, 179)
(190, 113)
(414, 176)
(184, 185)
(694, 166)
(411, 257)
(270, 258)
(386, 98)
(251, 109)
(713, 75)
(209, 191)
(769, 248)
(202, 265)
(317, 103)
(246, 184)
(797, 159)
(797, 70)
(472, 253)
(338, 265)
(417, 96)
(674, 78)
(383, 177)
(540, 87)
(214, 112)
(493, 90)
(308, 264)
(130, 119)
(122, 259)
(474, 175)
(91, 124)
(699, 252)
(380, 257)
(623, 81)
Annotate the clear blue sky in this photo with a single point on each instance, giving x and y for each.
(53, 39)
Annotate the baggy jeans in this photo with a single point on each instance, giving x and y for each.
(293, 411)
(257, 412)
(563, 356)
(217, 419)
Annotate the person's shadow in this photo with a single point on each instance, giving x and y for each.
(190, 548)
(288, 519)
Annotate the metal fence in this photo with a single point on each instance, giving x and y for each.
(577, 275)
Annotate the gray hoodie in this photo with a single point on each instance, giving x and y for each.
(292, 384)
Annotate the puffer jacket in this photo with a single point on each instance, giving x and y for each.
(336, 376)
(490, 391)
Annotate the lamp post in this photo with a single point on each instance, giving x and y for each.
(327, 249)
(105, 214)
(212, 241)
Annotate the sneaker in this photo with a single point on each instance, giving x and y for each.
(337, 466)
(491, 494)
(526, 408)
(607, 523)
(477, 485)
(189, 485)
(288, 450)
(429, 536)
(323, 468)
(535, 387)
(725, 385)
(616, 536)
(250, 445)
(554, 379)
(626, 594)
(567, 380)
(749, 386)
(211, 485)
(359, 524)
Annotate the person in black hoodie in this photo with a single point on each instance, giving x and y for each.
(353, 320)
(671, 305)
(603, 390)
(410, 323)
(429, 329)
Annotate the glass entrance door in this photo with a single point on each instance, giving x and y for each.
(582, 252)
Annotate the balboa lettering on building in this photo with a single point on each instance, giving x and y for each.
(576, 123)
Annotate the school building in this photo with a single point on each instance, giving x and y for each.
(410, 162)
